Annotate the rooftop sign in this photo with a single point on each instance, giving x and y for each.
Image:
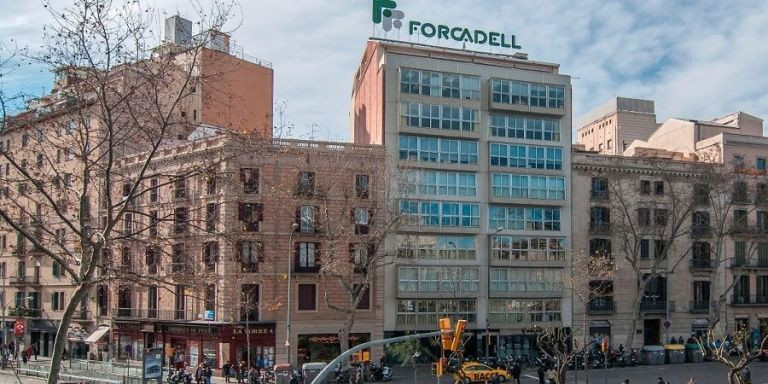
(386, 14)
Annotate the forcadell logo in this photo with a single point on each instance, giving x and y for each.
(386, 14)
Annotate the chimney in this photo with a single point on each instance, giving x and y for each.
(178, 30)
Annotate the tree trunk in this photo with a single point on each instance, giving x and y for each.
(344, 333)
(61, 336)
(635, 315)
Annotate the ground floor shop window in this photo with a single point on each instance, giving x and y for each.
(517, 345)
(325, 347)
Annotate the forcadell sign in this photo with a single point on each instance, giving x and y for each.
(385, 12)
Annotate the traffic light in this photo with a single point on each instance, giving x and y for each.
(605, 345)
(456, 342)
(446, 333)
(437, 369)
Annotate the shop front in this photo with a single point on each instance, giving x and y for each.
(258, 339)
(325, 347)
(129, 340)
(190, 344)
(42, 333)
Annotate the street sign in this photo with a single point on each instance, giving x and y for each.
(18, 327)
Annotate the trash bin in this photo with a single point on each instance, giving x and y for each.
(652, 355)
(283, 373)
(675, 353)
(693, 353)
(310, 370)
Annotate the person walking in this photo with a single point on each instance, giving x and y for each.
(626, 381)
(661, 381)
(746, 375)
(225, 371)
(207, 374)
(199, 374)
(552, 376)
(541, 371)
(692, 380)
(516, 371)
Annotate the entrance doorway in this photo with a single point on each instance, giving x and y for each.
(652, 332)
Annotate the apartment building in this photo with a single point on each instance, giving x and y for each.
(710, 173)
(482, 141)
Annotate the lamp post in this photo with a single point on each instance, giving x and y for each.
(488, 295)
(294, 226)
(2, 320)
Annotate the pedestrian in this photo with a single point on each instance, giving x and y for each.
(207, 373)
(661, 381)
(541, 371)
(746, 375)
(225, 371)
(692, 380)
(253, 375)
(626, 381)
(36, 349)
(552, 376)
(199, 374)
(516, 371)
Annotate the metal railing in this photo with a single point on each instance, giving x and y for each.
(653, 306)
(16, 279)
(599, 227)
(599, 195)
(701, 264)
(759, 262)
(749, 300)
(601, 306)
(158, 314)
(698, 306)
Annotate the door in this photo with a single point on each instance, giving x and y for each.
(652, 332)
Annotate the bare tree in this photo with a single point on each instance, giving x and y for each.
(74, 195)
(733, 352)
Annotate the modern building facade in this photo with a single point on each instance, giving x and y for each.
(483, 144)
(667, 169)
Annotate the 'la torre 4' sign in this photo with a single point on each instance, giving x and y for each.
(386, 14)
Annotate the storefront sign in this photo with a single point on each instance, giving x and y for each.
(384, 13)
(190, 330)
(253, 330)
(127, 326)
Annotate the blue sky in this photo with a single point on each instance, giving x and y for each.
(696, 59)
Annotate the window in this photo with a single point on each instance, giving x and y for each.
(645, 187)
(661, 216)
(701, 194)
(517, 93)
(24, 140)
(57, 301)
(180, 302)
(152, 301)
(211, 216)
(528, 218)
(762, 221)
(128, 224)
(514, 248)
(249, 254)
(39, 161)
(525, 186)
(740, 192)
(526, 280)
(307, 257)
(307, 300)
(102, 299)
(700, 250)
(701, 295)
(250, 215)
(153, 192)
(364, 294)
(658, 187)
(760, 164)
(600, 247)
(427, 311)
(659, 249)
(599, 218)
(362, 220)
(181, 217)
(438, 116)
(249, 302)
(179, 187)
(440, 183)
(210, 184)
(307, 218)
(512, 311)
(738, 161)
(643, 217)
(740, 219)
(56, 269)
(519, 127)
(210, 297)
(526, 156)
(448, 247)
(439, 84)
(178, 259)
(250, 179)
(152, 259)
(599, 189)
(210, 255)
(361, 186)
(440, 213)
(645, 248)
(306, 183)
(153, 220)
(429, 149)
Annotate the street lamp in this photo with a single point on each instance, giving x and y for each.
(294, 226)
(488, 295)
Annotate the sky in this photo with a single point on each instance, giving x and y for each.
(696, 59)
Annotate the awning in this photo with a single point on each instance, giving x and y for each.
(43, 326)
(599, 323)
(97, 334)
(76, 334)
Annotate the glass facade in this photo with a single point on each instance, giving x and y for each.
(528, 186)
(439, 84)
(436, 116)
(528, 128)
(521, 93)
(440, 183)
(440, 213)
(435, 150)
(526, 156)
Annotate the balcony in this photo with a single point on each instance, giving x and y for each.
(702, 264)
(740, 198)
(25, 312)
(759, 262)
(21, 280)
(748, 230)
(298, 268)
(699, 231)
(599, 195)
(157, 314)
(699, 306)
(599, 228)
(751, 300)
(81, 315)
(648, 306)
(601, 307)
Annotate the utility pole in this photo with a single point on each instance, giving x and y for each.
(294, 226)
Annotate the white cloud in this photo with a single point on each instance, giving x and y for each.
(696, 59)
